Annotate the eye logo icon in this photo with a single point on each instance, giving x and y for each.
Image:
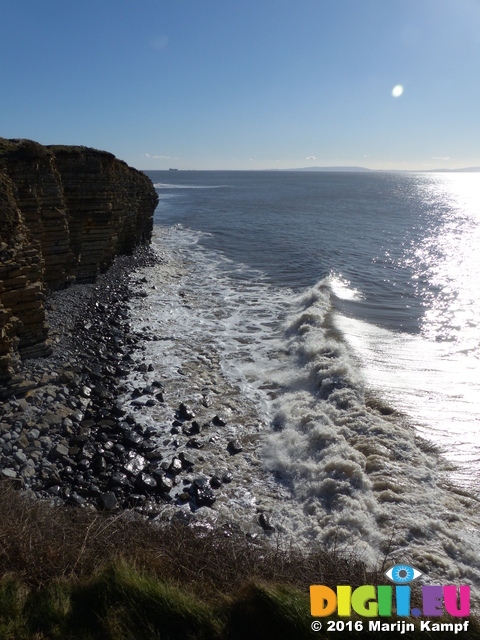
(402, 574)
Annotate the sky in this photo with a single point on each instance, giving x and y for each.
(250, 84)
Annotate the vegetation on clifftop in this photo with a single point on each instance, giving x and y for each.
(69, 573)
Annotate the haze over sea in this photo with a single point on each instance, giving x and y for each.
(330, 298)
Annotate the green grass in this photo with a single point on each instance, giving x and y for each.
(74, 574)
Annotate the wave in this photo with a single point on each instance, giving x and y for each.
(360, 478)
(341, 468)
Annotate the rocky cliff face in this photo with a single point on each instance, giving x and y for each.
(65, 213)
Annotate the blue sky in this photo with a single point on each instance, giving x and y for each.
(256, 84)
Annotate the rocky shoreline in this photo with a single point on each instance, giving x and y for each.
(78, 435)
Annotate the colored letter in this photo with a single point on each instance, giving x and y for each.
(432, 597)
(360, 597)
(384, 595)
(450, 598)
(343, 599)
(323, 600)
(402, 597)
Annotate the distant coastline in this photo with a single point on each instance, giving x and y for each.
(332, 169)
(349, 169)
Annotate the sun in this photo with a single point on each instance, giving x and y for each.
(397, 91)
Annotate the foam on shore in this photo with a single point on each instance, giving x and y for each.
(326, 464)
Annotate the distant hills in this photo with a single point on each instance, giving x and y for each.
(355, 169)
(365, 170)
(465, 170)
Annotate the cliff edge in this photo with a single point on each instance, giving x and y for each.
(65, 213)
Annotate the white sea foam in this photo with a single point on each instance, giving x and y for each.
(335, 471)
(361, 478)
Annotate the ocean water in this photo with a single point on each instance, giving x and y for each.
(343, 308)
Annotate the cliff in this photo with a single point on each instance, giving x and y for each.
(65, 213)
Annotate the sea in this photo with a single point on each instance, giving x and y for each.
(344, 308)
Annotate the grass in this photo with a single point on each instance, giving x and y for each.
(77, 574)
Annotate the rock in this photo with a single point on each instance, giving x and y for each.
(59, 451)
(132, 438)
(185, 412)
(202, 493)
(217, 421)
(175, 466)
(264, 521)
(57, 202)
(145, 482)
(107, 501)
(135, 465)
(188, 461)
(193, 429)
(20, 457)
(76, 500)
(234, 447)
(8, 473)
(164, 484)
(118, 480)
(99, 464)
(195, 443)
(215, 482)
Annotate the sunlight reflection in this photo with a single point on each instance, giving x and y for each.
(449, 261)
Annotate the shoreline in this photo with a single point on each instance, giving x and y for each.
(78, 435)
(155, 427)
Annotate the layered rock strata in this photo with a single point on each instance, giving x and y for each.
(65, 213)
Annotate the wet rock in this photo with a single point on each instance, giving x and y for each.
(145, 482)
(215, 482)
(135, 465)
(202, 493)
(217, 421)
(154, 454)
(188, 461)
(164, 484)
(118, 480)
(234, 447)
(264, 522)
(195, 443)
(118, 449)
(193, 429)
(175, 466)
(185, 412)
(132, 438)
